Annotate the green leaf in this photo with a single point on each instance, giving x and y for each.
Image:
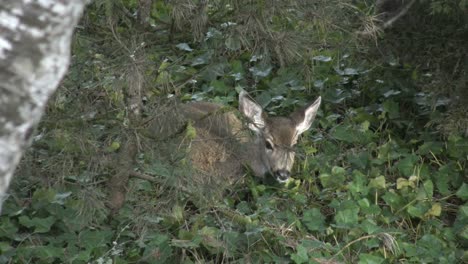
(203, 59)
(7, 228)
(393, 199)
(370, 259)
(359, 184)
(184, 46)
(442, 178)
(41, 225)
(431, 147)
(460, 226)
(95, 238)
(364, 203)
(49, 252)
(43, 197)
(360, 160)
(370, 226)
(418, 209)
(211, 240)
(406, 165)
(219, 86)
(337, 171)
(322, 58)
(235, 242)
(464, 233)
(314, 220)
(233, 43)
(61, 197)
(195, 243)
(462, 192)
(378, 183)
(410, 249)
(435, 210)
(114, 146)
(347, 214)
(158, 249)
(335, 179)
(403, 183)
(425, 191)
(344, 133)
(4, 247)
(261, 71)
(300, 256)
(264, 98)
(391, 108)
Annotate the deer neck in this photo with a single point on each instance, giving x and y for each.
(254, 156)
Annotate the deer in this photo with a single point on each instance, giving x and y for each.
(223, 146)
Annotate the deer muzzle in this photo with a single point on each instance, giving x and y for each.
(282, 175)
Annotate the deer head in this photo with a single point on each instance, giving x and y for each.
(275, 136)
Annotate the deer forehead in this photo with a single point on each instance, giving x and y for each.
(281, 130)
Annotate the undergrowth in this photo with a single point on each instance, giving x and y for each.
(377, 179)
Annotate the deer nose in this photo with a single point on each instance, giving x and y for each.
(282, 175)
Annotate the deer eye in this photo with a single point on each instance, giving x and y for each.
(268, 145)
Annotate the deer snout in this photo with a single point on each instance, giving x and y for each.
(282, 175)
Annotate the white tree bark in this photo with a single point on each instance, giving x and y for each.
(35, 41)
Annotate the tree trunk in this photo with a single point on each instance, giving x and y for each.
(35, 41)
(144, 12)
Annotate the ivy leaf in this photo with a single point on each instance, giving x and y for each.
(347, 214)
(184, 46)
(431, 147)
(95, 238)
(343, 133)
(322, 58)
(234, 241)
(48, 252)
(4, 247)
(335, 179)
(406, 165)
(7, 228)
(314, 220)
(61, 197)
(418, 210)
(41, 225)
(203, 59)
(403, 182)
(114, 146)
(211, 240)
(219, 86)
(43, 197)
(393, 199)
(462, 192)
(442, 178)
(158, 249)
(391, 108)
(369, 226)
(370, 259)
(378, 183)
(233, 43)
(261, 71)
(425, 191)
(435, 210)
(300, 256)
(358, 185)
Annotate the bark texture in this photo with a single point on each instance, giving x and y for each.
(144, 12)
(35, 39)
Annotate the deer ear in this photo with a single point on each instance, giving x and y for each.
(304, 117)
(252, 111)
